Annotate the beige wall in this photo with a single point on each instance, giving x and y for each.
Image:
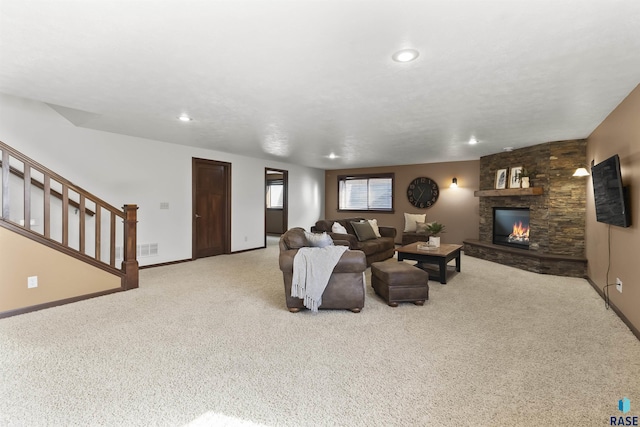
(59, 276)
(618, 134)
(456, 208)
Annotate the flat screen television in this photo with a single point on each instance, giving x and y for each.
(611, 197)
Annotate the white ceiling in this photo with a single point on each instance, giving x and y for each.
(294, 81)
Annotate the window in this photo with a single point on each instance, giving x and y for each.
(274, 194)
(365, 192)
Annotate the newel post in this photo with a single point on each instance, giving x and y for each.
(130, 263)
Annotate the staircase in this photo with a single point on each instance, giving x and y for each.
(42, 206)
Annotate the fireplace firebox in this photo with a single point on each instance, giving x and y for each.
(511, 227)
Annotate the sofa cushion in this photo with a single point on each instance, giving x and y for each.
(363, 230)
(318, 240)
(421, 227)
(369, 247)
(375, 246)
(346, 223)
(338, 228)
(374, 225)
(410, 221)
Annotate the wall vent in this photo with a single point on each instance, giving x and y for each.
(142, 251)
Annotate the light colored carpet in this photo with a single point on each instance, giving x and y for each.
(210, 342)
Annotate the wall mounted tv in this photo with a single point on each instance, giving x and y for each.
(611, 197)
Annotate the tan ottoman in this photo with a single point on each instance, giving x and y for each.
(400, 282)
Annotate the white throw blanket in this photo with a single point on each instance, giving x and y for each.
(312, 268)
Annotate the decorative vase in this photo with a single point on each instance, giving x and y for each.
(435, 241)
(525, 181)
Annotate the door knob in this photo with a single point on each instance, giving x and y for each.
(197, 216)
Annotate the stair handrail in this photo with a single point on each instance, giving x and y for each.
(129, 268)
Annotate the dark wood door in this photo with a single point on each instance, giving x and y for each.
(211, 208)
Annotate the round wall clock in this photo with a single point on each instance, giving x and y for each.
(423, 192)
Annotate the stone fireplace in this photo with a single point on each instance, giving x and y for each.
(556, 203)
(511, 227)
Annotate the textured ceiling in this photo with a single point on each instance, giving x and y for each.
(294, 81)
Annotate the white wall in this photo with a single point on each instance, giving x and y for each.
(129, 170)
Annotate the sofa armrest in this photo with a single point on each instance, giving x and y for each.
(387, 231)
(350, 261)
(353, 241)
(286, 260)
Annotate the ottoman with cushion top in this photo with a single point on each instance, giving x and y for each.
(400, 282)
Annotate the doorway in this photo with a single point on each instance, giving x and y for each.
(211, 208)
(276, 202)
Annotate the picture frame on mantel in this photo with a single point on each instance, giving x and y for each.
(501, 179)
(514, 177)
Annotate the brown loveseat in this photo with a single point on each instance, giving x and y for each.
(345, 289)
(377, 249)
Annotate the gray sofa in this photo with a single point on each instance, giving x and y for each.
(375, 250)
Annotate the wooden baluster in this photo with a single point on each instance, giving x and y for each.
(82, 223)
(98, 229)
(47, 206)
(65, 215)
(112, 241)
(5, 184)
(27, 197)
(130, 264)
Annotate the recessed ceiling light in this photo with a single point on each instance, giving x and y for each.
(473, 141)
(332, 156)
(184, 118)
(405, 55)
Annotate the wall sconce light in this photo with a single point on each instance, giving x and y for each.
(581, 172)
(454, 183)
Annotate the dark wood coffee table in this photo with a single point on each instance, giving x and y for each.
(439, 256)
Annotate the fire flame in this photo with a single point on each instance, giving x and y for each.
(520, 233)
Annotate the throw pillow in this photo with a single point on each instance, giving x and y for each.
(295, 238)
(318, 240)
(363, 231)
(421, 227)
(338, 228)
(410, 221)
(374, 225)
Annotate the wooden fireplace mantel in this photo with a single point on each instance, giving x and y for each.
(531, 191)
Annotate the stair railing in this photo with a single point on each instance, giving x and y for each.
(35, 178)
